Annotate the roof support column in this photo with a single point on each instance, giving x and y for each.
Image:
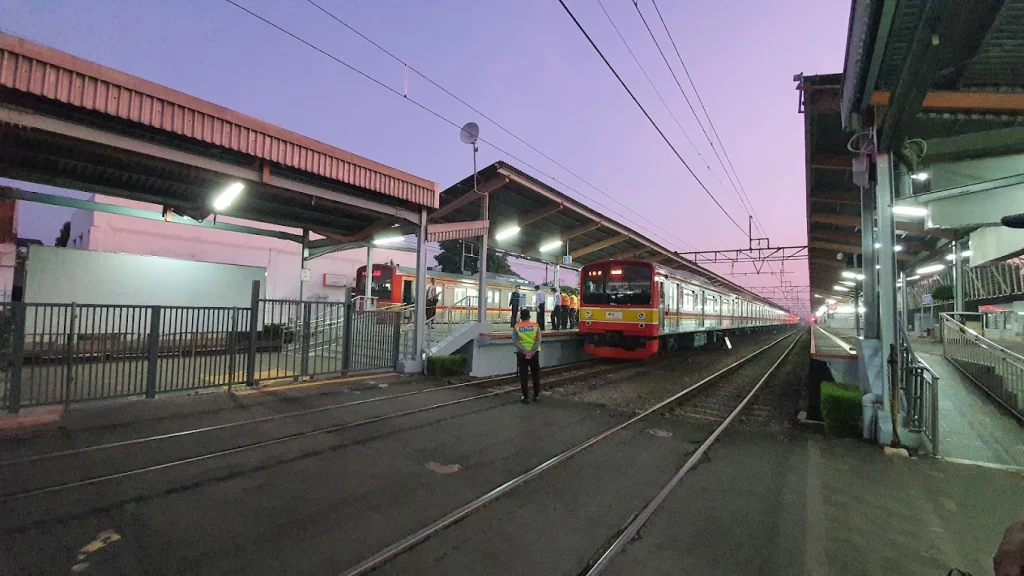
(303, 257)
(420, 316)
(368, 284)
(958, 276)
(885, 195)
(870, 282)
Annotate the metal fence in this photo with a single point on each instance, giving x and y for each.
(64, 353)
(995, 369)
(919, 391)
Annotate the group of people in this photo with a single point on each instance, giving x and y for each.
(565, 312)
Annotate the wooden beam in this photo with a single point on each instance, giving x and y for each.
(963, 101)
(832, 161)
(839, 197)
(599, 245)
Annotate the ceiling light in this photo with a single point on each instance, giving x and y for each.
(878, 244)
(225, 198)
(840, 288)
(847, 283)
(387, 240)
(507, 233)
(965, 254)
(920, 176)
(910, 210)
(950, 257)
(897, 248)
(914, 277)
(830, 301)
(931, 268)
(550, 245)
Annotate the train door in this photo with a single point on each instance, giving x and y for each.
(702, 301)
(409, 291)
(661, 306)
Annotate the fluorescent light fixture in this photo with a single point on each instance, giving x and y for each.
(920, 176)
(852, 274)
(840, 288)
(387, 240)
(878, 266)
(910, 210)
(897, 248)
(830, 301)
(507, 233)
(878, 244)
(965, 254)
(550, 245)
(930, 268)
(225, 198)
(844, 310)
(847, 283)
(914, 277)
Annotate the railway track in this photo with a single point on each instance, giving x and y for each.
(412, 540)
(570, 373)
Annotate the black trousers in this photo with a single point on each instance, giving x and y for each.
(565, 317)
(531, 365)
(515, 315)
(556, 317)
(540, 316)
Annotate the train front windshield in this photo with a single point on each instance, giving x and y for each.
(621, 284)
(380, 286)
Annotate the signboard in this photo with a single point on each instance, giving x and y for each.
(305, 275)
(566, 260)
(339, 280)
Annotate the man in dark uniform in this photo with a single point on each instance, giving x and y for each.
(526, 335)
(515, 301)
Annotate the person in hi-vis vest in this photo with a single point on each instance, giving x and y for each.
(526, 335)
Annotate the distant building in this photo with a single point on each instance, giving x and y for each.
(329, 275)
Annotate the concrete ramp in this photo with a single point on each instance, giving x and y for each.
(459, 336)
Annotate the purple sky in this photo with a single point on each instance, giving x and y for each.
(524, 63)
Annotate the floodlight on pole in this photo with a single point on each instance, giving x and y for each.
(470, 134)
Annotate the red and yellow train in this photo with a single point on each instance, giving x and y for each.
(631, 309)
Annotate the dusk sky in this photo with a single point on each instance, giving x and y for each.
(522, 62)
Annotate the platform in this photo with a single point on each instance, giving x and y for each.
(972, 425)
(837, 347)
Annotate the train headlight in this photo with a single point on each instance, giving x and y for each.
(588, 314)
(641, 316)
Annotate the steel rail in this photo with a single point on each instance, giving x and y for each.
(634, 527)
(227, 425)
(423, 534)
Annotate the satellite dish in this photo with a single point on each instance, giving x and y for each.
(469, 133)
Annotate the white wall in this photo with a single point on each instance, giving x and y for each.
(114, 233)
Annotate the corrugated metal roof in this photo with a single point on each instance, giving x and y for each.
(55, 75)
(1000, 59)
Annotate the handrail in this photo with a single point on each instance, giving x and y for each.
(973, 334)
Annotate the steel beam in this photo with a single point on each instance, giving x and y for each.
(837, 196)
(491, 185)
(832, 161)
(965, 101)
(532, 217)
(581, 230)
(599, 245)
(629, 253)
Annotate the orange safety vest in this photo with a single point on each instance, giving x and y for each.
(575, 302)
(566, 300)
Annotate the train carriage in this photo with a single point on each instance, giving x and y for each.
(395, 286)
(631, 309)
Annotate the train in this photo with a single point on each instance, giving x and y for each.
(394, 286)
(631, 309)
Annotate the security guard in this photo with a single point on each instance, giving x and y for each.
(526, 335)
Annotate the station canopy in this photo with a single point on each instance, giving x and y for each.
(544, 217)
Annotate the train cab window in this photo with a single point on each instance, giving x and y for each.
(622, 284)
(380, 285)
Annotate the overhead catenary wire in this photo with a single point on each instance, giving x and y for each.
(648, 116)
(423, 107)
(487, 117)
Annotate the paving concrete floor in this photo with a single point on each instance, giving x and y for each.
(770, 502)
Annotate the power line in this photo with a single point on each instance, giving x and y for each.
(413, 100)
(700, 101)
(656, 91)
(493, 121)
(649, 118)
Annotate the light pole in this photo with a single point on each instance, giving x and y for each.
(470, 134)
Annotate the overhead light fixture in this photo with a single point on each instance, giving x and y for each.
(387, 240)
(817, 295)
(840, 288)
(852, 274)
(550, 246)
(950, 257)
(897, 248)
(914, 277)
(931, 268)
(878, 244)
(878, 266)
(965, 254)
(910, 210)
(507, 233)
(830, 301)
(847, 283)
(919, 176)
(225, 198)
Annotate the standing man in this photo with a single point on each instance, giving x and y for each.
(432, 299)
(556, 309)
(526, 335)
(566, 306)
(541, 301)
(514, 301)
(575, 311)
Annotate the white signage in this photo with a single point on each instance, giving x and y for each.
(305, 275)
(335, 280)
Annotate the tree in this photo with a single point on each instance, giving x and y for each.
(450, 260)
(64, 236)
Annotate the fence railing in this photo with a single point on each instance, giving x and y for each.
(919, 391)
(448, 319)
(64, 353)
(998, 371)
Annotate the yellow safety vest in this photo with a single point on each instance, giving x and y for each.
(526, 334)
